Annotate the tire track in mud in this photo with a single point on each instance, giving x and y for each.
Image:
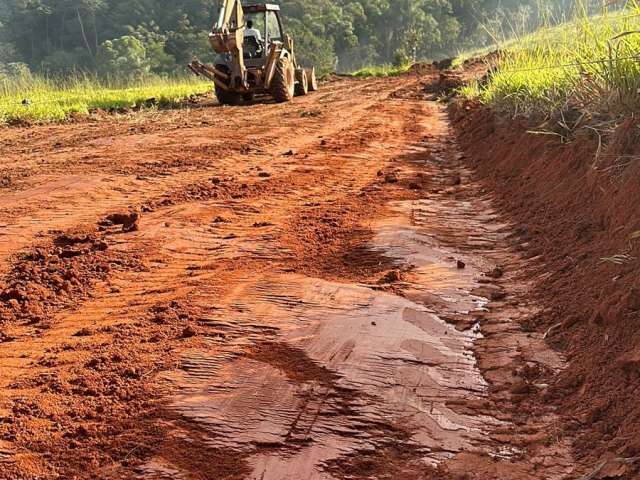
(63, 203)
(290, 322)
(155, 141)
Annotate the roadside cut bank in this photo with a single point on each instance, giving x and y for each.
(574, 207)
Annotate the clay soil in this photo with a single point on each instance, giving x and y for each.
(573, 203)
(343, 287)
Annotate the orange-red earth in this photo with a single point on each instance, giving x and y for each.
(314, 290)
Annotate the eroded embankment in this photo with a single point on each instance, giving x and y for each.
(575, 204)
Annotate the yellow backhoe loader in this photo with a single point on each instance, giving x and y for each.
(254, 56)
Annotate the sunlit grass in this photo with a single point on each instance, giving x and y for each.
(590, 63)
(381, 71)
(37, 99)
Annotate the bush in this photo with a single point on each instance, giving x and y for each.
(155, 42)
(188, 43)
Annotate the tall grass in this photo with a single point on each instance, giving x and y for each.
(40, 99)
(590, 64)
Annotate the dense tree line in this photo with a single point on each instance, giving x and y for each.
(135, 37)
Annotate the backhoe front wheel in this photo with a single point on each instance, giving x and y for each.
(284, 81)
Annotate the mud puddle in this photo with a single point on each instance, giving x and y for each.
(303, 374)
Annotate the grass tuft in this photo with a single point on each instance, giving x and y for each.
(381, 71)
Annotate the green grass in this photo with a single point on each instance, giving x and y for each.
(37, 99)
(591, 64)
(381, 71)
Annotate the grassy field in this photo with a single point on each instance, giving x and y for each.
(590, 63)
(37, 99)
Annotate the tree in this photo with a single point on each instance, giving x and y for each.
(59, 35)
(123, 57)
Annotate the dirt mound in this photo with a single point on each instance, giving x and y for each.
(46, 278)
(422, 68)
(574, 207)
(447, 84)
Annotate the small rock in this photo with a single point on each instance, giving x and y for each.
(189, 332)
(498, 295)
(390, 178)
(83, 332)
(521, 388)
(497, 272)
(264, 174)
(461, 265)
(288, 153)
(130, 221)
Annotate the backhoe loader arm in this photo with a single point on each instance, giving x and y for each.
(227, 36)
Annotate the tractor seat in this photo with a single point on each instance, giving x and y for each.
(252, 47)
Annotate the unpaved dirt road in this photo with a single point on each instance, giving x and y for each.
(316, 290)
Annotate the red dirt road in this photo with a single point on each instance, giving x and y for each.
(316, 290)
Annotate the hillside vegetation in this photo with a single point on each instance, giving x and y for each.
(139, 37)
(589, 65)
(143, 46)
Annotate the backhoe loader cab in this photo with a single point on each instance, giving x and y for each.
(248, 63)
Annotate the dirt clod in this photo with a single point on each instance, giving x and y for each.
(393, 276)
(496, 273)
(130, 221)
(390, 178)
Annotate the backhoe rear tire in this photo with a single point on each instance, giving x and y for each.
(312, 79)
(302, 83)
(284, 81)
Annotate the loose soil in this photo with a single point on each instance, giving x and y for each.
(346, 294)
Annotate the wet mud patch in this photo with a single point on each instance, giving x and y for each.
(293, 362)
(185, 451)
(330, 240)
(397, 457)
